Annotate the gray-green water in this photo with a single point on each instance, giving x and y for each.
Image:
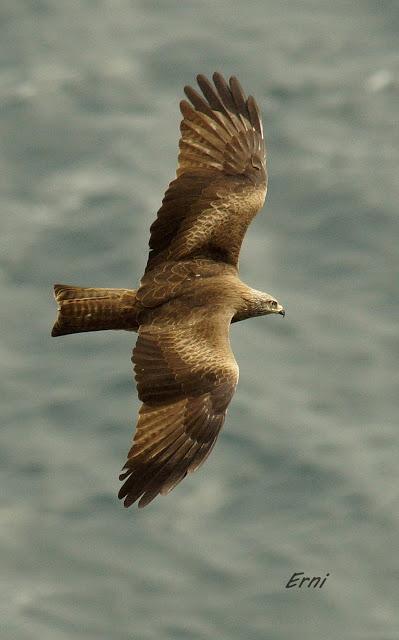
(305, 474)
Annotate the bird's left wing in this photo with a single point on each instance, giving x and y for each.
(186, 376)
(221, 176)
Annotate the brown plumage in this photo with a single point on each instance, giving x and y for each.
(185, 371)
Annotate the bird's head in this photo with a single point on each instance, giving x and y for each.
(271, 305)
(256, 303)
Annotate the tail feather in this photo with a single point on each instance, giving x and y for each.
(92, 309)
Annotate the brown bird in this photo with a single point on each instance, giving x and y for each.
(185, 370)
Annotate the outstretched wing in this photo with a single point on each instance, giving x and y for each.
(186, 377)
(221, 176)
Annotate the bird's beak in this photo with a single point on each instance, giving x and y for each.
(282, 312)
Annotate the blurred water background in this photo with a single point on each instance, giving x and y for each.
(305, 474)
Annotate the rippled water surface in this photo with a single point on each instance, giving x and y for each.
(305, 474)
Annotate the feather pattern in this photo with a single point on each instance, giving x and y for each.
(83, 309)
(221, 168)
(185, 386)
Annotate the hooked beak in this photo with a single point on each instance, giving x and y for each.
(282, 312)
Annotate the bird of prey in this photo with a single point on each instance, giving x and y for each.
(190, 292)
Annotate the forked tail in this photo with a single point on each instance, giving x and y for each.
(86, 309)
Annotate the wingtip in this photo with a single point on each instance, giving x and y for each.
(200, 77)
(216, 75)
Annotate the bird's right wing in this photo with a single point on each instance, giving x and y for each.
(186, 376)
(221, 176)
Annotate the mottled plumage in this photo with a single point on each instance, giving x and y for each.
(190, 293)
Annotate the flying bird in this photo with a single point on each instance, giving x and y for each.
(190, 292)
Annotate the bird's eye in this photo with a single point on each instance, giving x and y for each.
(273, 304)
